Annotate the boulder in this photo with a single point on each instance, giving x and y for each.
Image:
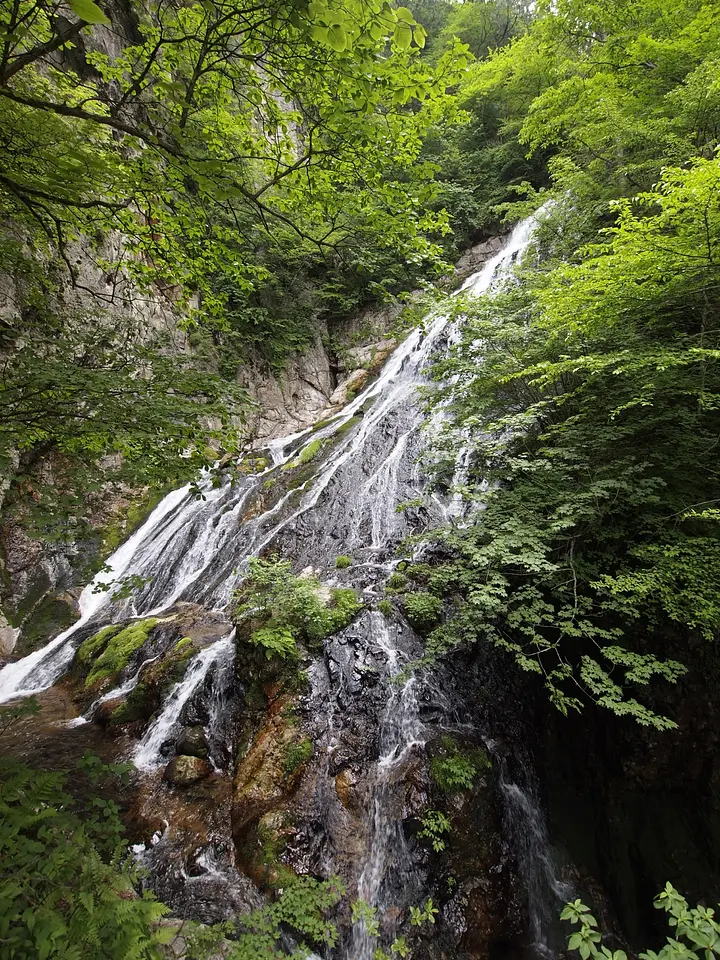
(185, 771)
(192, 743)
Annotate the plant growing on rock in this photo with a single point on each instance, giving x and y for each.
(297, 754)
(281, 608)
(422, 610)
(342, 562)
(457, 769)
(435, 826)
(396, 582)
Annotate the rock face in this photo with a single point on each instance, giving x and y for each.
(325, 767)
(637, 807)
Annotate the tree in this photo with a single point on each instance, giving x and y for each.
(171, 149)
(588, 397)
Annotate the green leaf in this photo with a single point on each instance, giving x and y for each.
(403, 36)
(88, 11)
(336, 37)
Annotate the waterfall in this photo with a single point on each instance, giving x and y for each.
(545, 891)
(195, 547)
(401, 732)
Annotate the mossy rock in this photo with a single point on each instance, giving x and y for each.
(140, 704)
(118, 644)
(308, 453)
(157, 680)
(192, 743)
(296, 754)
(185, 771)
(117, 531)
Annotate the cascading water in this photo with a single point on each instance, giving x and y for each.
(147, 755)
(401, 732)
(544, 889)
(195, 548)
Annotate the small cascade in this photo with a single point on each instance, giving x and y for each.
(126, 687)
(389, 875)
(147, 755)
(545, 891)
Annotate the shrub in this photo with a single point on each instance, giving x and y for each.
(290, 608)
(344, 605)
(342, 562)
(422, 610)
(276, 641)
(396, 581)
(385, 607)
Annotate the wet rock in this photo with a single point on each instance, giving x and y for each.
(107, 710)
(354, 383)
(192, 743)
(185, 771)
(8, 637)
(344, 783)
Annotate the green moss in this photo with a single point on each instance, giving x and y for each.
(418, 572)
(347, 427)
(116, 532)
(269, 483)
(139, 705)
(49, 618)
(182, 643)
(308, 453)
(297, 754)
(93, 645)
(385, 607)
(321, 424)
(252, 464)
(342, 562)
(119, 649)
